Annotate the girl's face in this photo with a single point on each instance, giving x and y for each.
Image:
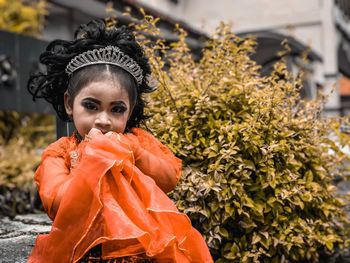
(103, 105)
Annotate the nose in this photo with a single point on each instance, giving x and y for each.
(103, 122)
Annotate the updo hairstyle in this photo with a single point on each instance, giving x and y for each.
(54, 82)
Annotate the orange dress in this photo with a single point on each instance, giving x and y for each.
(95, 194)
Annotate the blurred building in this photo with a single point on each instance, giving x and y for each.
(323, 26)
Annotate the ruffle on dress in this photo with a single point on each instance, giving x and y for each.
(108, 200)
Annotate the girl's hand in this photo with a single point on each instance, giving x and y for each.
(92, 134)
(129, 140)
(116, 137)
(105, 146)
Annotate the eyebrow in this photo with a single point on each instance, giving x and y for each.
(118, 102)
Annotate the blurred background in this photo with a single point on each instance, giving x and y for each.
(322, 27)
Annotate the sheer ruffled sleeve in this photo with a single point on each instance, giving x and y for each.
(108, 197)
(155, 159)
(53, 174)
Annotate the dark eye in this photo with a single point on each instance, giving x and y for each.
(118, 109)
(89, 106)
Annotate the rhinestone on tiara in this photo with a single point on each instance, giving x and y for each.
(107, 55)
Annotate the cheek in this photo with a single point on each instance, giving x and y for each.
(120, 124)
(83, 120)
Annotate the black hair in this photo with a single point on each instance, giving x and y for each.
(54, 82)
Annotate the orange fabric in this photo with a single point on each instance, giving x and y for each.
(95, 194)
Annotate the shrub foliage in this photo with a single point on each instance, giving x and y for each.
(258, 163)
(25, 17)
(22, 138)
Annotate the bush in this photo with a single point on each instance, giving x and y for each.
(22, 138)
(25, 17)
(258, 162)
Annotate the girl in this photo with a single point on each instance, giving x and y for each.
(104, 187)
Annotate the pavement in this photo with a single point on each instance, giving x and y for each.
(17, 236)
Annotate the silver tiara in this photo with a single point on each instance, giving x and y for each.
(107, 55)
